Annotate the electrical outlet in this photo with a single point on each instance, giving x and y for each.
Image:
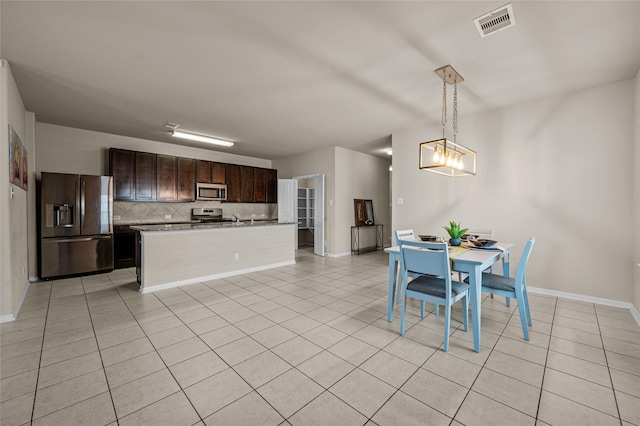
(236, 256)
(167, 216)
(253, 215)
(116, 217)
(400, 201)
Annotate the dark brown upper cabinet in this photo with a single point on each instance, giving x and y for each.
(166, 181)
(246, 182)
(233, 183)
(272, 186)
(203, 171)
(122, 168)
(145, 176)
(186, 179)
(259, 185)
(218, 173)
(142, 176)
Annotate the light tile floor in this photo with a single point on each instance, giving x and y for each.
(306, 344)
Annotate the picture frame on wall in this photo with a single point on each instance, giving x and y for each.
(18, 171)
(363, 212)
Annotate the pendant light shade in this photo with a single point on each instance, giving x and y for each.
(444, 156)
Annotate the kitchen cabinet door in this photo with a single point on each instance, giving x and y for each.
(186, 179)
(166, 181)
(259, 185)
(121, 167)
(272, 186)
(218, 173)
(203, 171)
(233, 183)
(145, 176)
(246, 184)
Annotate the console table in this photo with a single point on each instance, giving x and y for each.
(355, 239)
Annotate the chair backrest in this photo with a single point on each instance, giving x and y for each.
(425, 258)
(481, 233)
(403, 235)
(522, 265)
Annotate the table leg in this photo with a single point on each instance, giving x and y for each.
(475, 290)
(506, 258)
(392, 286)
(505, 263)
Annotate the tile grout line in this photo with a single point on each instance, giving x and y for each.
(95, 336)
(44, 331)
(606, 359)
(546, 359)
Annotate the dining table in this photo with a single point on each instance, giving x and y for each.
(472, 261)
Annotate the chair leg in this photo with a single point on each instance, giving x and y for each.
(447, 323)
(507, 302)
(523, 316)
(465, 313)
(422, 309)
(437, 310)
(525, 297)
(403, 309)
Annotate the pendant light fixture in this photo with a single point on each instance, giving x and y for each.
(443, 156)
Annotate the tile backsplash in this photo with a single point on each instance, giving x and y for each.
(131, 212)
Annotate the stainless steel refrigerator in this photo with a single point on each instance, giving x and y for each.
(76, 224)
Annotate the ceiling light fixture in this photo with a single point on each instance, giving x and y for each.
(196, 136)
(442, 155)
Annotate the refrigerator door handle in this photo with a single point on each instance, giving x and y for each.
(82, 204)
(73, 240)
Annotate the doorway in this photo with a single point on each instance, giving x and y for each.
(301, 200)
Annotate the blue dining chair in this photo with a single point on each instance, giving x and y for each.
(429, 262)
(513, 287)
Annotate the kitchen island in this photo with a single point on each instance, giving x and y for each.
(179, 254)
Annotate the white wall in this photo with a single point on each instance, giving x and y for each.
(558, 169)
(361, 176)
(321, 162)
(636, 197)
(68, 150)
(348, 175)
(14, 256)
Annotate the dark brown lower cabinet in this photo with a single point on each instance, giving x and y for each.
(124, 247)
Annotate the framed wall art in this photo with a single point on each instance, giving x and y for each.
(18, 173)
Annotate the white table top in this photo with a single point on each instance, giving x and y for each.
(470, 256)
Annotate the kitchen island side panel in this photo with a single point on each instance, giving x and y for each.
(180, 257)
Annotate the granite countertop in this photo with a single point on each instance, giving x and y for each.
(201, 226)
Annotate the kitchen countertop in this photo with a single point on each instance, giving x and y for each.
(201, 226)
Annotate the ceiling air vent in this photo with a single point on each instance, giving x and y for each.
(495, 21)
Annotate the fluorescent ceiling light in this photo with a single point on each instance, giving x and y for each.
(200, 138)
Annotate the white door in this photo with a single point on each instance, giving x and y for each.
(287, 202)
(318, 216)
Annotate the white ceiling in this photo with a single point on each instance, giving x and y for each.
(282, 78)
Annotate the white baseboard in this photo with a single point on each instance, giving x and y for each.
(589, 299)
(213, 277)
(348, 253)
(16, 310)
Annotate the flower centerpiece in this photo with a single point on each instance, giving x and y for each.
(455, 232)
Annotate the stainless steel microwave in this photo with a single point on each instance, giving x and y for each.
(211, 191)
